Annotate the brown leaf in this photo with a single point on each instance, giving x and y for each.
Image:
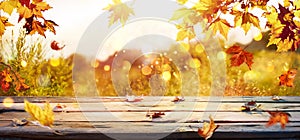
(287, 79)
(155, 114)
(240, 56)
(278, 116)
(208, 129)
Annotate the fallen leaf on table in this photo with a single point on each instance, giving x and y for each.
(276, 98)
(278, 116)
(177, 99)
(250, 106)
(208, 129)
(44, 116)
(17, 122)
(155, 114)
(59, 108)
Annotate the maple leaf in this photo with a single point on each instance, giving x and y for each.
(245, 20)
(44, 116)
(119, 11)
(185, 31)
(189, 16)
(9, 5)
(208, 129)
(220, 25)
(287, 79)
(240, 56)
(50, 25)
(3, 23)
(278, 116)
(37, 26)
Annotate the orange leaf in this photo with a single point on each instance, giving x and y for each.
(240, 56)
(287, 79)
(278, 116)
(208, 129)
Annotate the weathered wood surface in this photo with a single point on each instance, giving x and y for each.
(85, 118)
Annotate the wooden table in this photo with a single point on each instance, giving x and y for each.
(113, 117)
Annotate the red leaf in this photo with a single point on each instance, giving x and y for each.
(55, 46)
(240, 56)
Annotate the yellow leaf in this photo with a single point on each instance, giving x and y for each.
(42, 6)
(9, 5)
(246, 27)
(182, 1)
(181, 13)
(203, 5)
(297, 13)
(283, 46)
(120, 11)
(297, 4)
(24, 12)
(44, 116)
(273, 40)
(220, 25)
(286, 3)
(3, 25)
(245, 20)
(185, 32)
(272, 17)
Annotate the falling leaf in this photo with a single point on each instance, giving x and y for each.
(208, 129)
(287, 79)
(44, 116)
(240, 56)
(222, 26)
(55, 46)
(119, 11)
(278, 116)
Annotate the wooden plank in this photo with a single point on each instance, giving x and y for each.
(230, 99)
(161, 106)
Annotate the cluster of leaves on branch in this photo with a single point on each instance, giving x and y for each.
(283, 20)
(31, 11)
(9, 78)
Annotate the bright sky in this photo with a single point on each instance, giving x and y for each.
(74, 16)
